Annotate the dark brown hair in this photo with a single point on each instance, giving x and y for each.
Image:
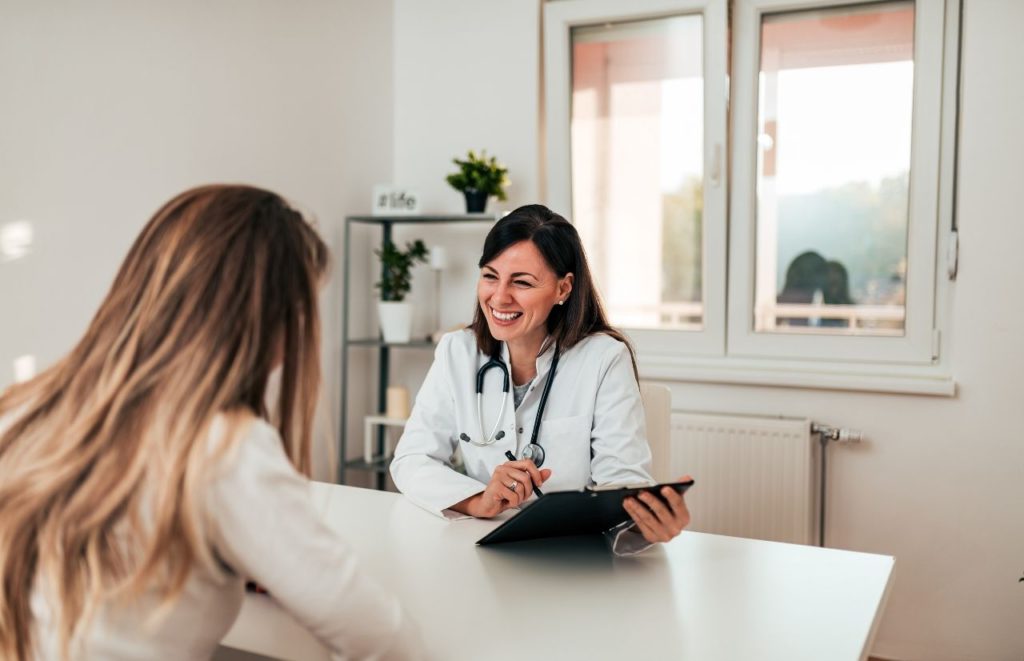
(559, 243)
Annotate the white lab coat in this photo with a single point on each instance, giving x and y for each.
(592, 432)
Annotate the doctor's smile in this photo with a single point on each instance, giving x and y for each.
(505, 317)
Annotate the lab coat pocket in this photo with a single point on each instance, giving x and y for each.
(566, 443)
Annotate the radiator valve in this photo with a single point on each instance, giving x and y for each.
(838, 434)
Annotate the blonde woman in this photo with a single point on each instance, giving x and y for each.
(140, 480)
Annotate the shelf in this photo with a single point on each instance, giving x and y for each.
(419, 219)
(384, 225)
(375, 466)
(415, 344)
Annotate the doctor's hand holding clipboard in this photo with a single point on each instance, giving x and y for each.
(491, 392)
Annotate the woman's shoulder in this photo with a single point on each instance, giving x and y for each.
(602, 345)
(241, 422)
(242, 436)
(460, 342)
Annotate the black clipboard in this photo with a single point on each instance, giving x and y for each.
(588, 511)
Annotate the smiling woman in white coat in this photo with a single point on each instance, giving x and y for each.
(539, 391)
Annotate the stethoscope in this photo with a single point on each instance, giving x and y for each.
(533, 451)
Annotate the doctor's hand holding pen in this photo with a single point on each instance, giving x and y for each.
(511, 484)
(659, 519)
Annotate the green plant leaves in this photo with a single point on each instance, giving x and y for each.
(396, 276)
(479, 173)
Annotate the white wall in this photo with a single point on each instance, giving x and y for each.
(108, 108)
(939, 482)
(466, 76)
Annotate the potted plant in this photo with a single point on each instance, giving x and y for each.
(395, 282)
(478, 178)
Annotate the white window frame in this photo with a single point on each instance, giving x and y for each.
(559, 20)
(727, 350)
(915, 346)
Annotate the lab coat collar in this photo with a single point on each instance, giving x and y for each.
(544, 359)
(547, 354)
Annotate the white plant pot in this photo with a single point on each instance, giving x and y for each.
(395, 320)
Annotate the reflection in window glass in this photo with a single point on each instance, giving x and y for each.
(834, 127)
(637, 131)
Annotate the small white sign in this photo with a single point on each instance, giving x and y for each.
(395, 201)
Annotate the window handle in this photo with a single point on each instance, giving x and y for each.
(716, 165)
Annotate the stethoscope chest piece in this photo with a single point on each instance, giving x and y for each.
(534, 453)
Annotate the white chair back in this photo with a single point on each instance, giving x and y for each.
(658, 414)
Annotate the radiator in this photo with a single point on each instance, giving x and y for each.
(755, 477)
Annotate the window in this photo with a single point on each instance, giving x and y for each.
(637, 120)
(643, 105)
(839, 135)
(835, 99)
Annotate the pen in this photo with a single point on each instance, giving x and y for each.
(512, 457)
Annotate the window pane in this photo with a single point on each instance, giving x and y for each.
(637, 132)
(834, 127)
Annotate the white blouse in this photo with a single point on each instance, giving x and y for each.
(264, 527)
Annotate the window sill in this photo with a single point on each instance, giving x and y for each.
(862, 377)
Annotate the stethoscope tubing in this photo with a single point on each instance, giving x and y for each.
(495, 435)
(544, 398)
(536, 450)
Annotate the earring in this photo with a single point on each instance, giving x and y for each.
(561, 302)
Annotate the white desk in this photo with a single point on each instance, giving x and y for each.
(701, 597)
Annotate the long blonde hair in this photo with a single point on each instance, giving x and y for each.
(220, 286)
